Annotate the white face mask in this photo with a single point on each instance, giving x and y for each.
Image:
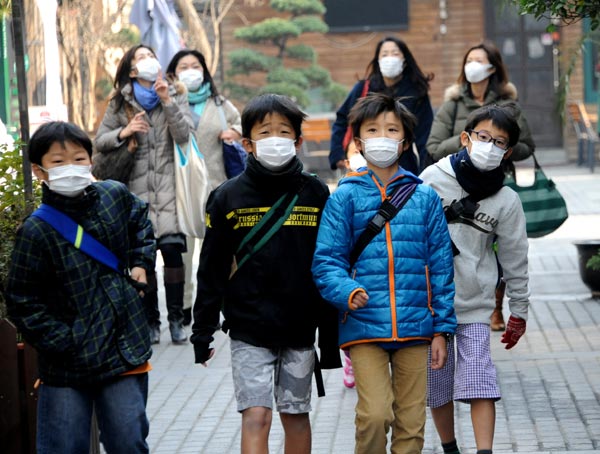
(391, 67)
(356, 161)
(275, 152)
(192, 79)
(148, 69)
(476, 72)
(381, 151)
(69, 180)
(485, 156)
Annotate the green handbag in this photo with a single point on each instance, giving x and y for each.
(545, 209)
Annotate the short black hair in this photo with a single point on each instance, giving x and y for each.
(258, 108)
(504, 117)
(56, 131)
(374, 104)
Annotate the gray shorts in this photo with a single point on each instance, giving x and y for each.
(471, 376)
(258, 373)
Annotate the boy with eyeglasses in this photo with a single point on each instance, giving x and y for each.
(493, 214)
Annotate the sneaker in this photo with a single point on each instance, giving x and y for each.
(348, 373)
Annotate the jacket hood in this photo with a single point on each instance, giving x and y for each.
(454, 92)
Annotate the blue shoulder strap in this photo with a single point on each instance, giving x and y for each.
(75, 234)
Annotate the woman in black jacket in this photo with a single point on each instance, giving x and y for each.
(393, 71)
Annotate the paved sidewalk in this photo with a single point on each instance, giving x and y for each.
(550, 381)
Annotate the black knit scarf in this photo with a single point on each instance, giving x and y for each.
(477, 183)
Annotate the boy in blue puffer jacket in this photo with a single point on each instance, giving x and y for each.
(397, 297)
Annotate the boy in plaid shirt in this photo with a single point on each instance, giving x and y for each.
(85, 320)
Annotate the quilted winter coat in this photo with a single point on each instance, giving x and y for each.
(406, 269)
(153, 175)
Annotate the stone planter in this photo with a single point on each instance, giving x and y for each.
(591, 278)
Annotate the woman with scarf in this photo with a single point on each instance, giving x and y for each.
(148, 114)
(215, 120)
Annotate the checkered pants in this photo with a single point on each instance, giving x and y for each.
(469, 375)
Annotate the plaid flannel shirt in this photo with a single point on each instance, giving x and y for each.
(86, 321)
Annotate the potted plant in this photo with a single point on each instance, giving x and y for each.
(589, 264)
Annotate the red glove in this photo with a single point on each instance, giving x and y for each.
(515, 328)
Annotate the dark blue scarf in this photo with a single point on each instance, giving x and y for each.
(477, 183)
(147, 97)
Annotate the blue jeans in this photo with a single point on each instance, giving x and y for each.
(65, 414)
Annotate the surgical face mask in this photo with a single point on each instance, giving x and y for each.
(391, 67)
(381, 151)
(485, 156)
(192, 79)
(148, 69)
(356, 161)
(275, 152)
(476, 72)
(69, 180)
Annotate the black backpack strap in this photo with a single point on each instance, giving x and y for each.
(464, 207)
(388, 209)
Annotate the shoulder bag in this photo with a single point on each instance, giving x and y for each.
(544, 207)
(234, 154)
(118, 163)
(192, 187)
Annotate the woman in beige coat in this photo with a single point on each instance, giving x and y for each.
(215, 120)
(148, 114)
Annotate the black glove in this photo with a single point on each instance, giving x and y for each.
(202, 352)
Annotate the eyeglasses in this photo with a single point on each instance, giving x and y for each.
(485, 136)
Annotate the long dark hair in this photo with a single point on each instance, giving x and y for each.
(411, 68)
(122, 77)
(499, 78)
(207, 76)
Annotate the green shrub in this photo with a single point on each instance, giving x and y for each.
(594, 262)
(13, 207)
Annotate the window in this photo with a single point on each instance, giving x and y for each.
(363, 16)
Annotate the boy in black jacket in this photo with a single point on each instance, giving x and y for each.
(255, 263)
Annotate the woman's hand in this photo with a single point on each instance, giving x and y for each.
(161, 86)
(137, 124)
(230, 135)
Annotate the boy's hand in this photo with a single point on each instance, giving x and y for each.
(515, 328)
(138, 274)
(359, 300)
(439, 352)
(203, 353)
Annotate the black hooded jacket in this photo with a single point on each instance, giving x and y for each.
(271, 301)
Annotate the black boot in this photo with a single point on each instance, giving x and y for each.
(187, 316)
(174, 287)
(151, 308)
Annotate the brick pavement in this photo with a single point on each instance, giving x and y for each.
(550, 382)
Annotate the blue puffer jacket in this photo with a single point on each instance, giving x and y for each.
(407, 269)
